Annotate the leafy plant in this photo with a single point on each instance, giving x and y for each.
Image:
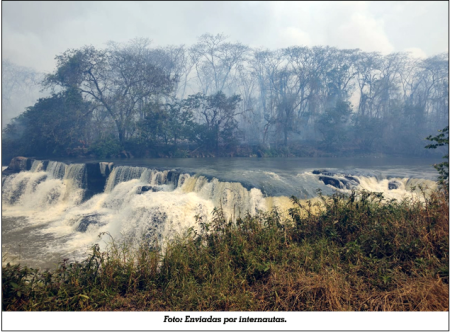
(442, 168)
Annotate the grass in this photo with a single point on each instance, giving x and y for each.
(353, 252)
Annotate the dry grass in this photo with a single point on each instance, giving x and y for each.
(354, 253)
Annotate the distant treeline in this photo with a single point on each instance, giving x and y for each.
(218, 98)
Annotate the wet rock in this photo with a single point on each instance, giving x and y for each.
(337, 180)
(144, 189)
(45, 164)
(106, 168)
(323, 172)
(95, 180)
(86, 221)
(349, 184)
(173, 176)
(331, 181)
(351, 178)
(394, 185)
(19, 164)
(7, 172)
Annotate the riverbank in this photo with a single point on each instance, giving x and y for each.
(247, 151)
(358, 252)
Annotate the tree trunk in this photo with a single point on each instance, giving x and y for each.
(121, 136)
(285, 135)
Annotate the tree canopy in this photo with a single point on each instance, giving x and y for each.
(218, 97)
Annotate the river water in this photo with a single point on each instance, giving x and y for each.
(45, 217)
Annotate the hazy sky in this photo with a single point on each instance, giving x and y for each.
(34, 32)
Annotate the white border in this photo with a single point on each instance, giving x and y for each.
(113, 321)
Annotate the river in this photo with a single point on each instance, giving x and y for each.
(46, 216)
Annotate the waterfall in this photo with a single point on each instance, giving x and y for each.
(232, 197)
(76, 173)
(56, 169)
(140, 202)
(123, 174)
(37, 166)
(105, 168)
(42, 193)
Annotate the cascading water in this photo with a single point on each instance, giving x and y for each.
(122, 174)
(38, 165)
(56, 170)
(47, 210)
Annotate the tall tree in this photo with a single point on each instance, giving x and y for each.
(56, 125)
(116, 79)
(216, 60)
(216, 115)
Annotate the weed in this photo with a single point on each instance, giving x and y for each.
(349, 252)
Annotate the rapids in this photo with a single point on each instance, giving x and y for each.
(46, 215)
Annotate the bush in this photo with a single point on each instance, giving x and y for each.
(105, 148)
(347, 252)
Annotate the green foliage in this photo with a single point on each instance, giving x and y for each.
(348, 252)
(106, 147)
(333, 125)
(53, 126)
(217, 124)
(442, 168)
(169, 123)
(119, 80)
(291, 97)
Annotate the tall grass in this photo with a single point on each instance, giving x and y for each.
(348, 252)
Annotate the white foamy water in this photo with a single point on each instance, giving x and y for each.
(407, 188)
(48, 208)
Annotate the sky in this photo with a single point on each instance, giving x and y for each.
(33, 33)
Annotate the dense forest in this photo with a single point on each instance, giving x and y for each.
(219, 98)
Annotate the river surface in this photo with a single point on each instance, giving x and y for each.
(45, 217)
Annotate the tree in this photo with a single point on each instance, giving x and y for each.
(333, 125)
(442, 168)
(167, 123)
(118, 79)
(216, 118)
(216, 60)
(53, 126)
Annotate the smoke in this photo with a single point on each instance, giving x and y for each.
(34, 32)
(20, 89)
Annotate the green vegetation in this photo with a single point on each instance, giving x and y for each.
(354, 252)
(53, 126)
(218, 98)
(442, 168)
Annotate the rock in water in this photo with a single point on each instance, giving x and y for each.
(351, 178)
(19, 164)
(331, 181)
(106, 168)
(323, 172)
(394, 185)
(85, 221)
(95, 178)
(143, 189)
(173, 176)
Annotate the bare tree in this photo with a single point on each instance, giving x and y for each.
(117, 79)
(216, 60)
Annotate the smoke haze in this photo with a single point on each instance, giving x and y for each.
(34, 32)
